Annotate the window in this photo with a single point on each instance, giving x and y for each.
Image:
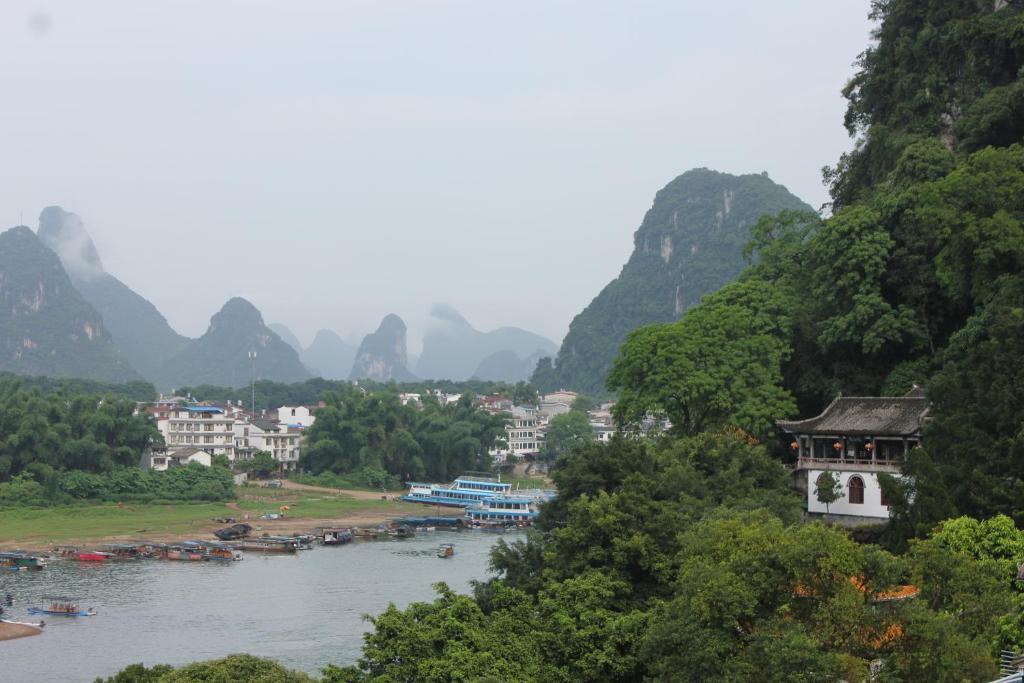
(856, 485)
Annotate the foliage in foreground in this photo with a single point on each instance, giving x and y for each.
(193, 482)
(226, 670)
(357, 430)
(671, 562)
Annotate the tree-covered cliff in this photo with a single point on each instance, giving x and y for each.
(46, 327)
(137, 328)
(221, 355)
(689, 244)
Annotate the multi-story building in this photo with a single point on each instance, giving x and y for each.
(202, 427)
(522, 435)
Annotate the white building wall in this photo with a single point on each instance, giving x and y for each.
(295, 415)
(872, 506)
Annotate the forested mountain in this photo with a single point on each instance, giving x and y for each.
(46, 327)
(689, 244)
(221, 355)
(329, 356)
(917, 277)
(682, 557)
(382, 355)
(137, 328)
(453, 349)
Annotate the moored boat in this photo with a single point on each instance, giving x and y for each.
(335, 536)
(462, 492)
(502, 511)
(62, 606)
(446, 550)
(21, 562)
(268, 544)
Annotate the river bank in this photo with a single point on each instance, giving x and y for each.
(304, 508)
(9, 630)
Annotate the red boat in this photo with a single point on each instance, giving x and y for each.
(95, 556)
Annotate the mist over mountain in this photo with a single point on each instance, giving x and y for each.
(46, 326)
(689, 244)
(329, 356)
(221, 355)
(382, 355)
(137, 328)
(506, 366)
(286, 335)
(453, 349)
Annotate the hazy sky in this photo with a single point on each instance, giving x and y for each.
(334, 160)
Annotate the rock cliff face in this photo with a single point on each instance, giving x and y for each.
(137, 328)
(506, 366)
(453, 349)
(221, 355)
(689, 244)
(382, 355)
(46, 327)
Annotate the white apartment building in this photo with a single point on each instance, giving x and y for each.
(280, 440)
(203, 427)
(296, 415)
(521, 434)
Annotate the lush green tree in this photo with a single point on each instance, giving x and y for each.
(583, 404)
(261, 464)
(827, 489)
(565, 432)
(719, 366)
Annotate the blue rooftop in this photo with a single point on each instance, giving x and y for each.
(204, 409)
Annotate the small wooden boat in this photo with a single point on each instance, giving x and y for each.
(446, 550)
(269, 544)
(95, 556)
(62, 606)
(185, 552)
(20, 562)
(336, 536)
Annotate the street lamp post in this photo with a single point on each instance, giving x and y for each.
(252, 381)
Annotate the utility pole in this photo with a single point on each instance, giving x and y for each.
(252, 381)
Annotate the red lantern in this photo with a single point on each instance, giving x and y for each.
(794, 446)
(869, 447)
(838, 446)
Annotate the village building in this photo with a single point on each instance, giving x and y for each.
(301, 416)
(203, 427)
(856, 439)
(162, 459)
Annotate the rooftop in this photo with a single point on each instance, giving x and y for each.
(866, 416)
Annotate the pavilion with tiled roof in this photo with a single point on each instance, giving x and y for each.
(856, 438)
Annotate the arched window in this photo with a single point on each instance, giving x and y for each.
(856, 485)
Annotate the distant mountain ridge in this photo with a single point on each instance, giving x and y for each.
(383, 355)
(689, 244)
(137, 328)
(221, 356)
(453, 349)
(329, 355)
(46, 326)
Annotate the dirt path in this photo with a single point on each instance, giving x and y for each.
(353, 493)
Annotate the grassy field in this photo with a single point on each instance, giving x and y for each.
(44, 526)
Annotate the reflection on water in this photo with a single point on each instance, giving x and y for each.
(304, 610)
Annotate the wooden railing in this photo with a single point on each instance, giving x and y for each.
(865, 464)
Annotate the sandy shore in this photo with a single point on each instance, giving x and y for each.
(276, 527)
(9, 630)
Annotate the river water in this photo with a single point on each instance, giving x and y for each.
(304, 610)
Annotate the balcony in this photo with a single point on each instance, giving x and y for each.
(847, 465)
